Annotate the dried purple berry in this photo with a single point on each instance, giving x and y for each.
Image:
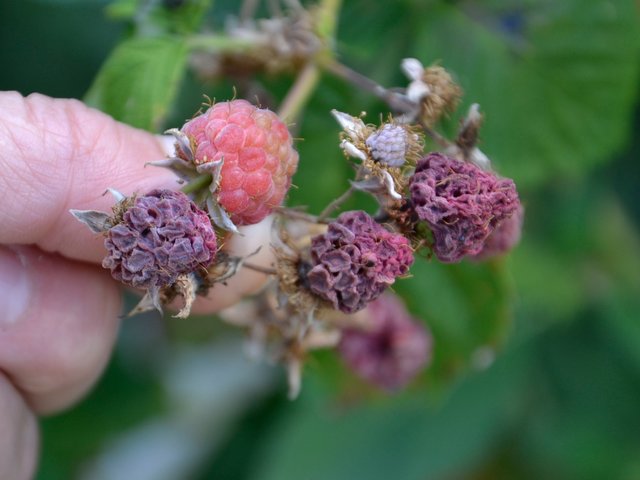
(392, 347)
(505, 236)
(356, 260)
(161, 236)
(461, 203)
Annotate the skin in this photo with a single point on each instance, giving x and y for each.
(58, 308)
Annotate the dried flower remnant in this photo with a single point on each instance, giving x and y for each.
(461, 203)
(466, 144)
(389, 348)
(385, 153)
(431, 89)
(356, 260)
(283, 43)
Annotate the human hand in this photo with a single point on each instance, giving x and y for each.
(60, 309)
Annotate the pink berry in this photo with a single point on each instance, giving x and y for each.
(258, 153)
(391, 348)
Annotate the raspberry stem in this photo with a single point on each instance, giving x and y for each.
(258, 268)
(220, 43)
(300, 92)
(197, 183)
(329, 209)
(395, 100)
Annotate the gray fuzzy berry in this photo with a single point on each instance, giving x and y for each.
(389, 145)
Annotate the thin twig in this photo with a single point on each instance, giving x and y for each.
(393, 99)
(258, 268)
(336, 203)
(300, 92)
(298, 215)
(438, 138)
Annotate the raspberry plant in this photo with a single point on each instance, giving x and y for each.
(436, 199)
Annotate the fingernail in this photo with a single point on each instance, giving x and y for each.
(14, 287)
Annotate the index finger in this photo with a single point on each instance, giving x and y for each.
(59, 154)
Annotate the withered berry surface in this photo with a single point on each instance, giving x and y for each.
(461, 203)
(390, 349)
(356, 260)
(161, 236)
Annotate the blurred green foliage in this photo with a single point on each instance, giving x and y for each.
(558, 82)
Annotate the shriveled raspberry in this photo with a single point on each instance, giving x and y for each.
(258, 153)
(505, 236)
(461, 203)
(161, 236)
(356, 260)
(391, 348)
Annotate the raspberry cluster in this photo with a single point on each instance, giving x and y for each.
(237, 161)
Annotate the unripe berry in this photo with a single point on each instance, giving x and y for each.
(389, 145)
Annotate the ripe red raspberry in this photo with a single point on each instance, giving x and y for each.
(259, 159)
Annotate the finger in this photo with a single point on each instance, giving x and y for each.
(247, 281)
(60, 154)
(57, 327)
(18, 435)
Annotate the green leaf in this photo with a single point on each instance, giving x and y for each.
(556, 80)
(403, 439)
(467, 306)
(161, 17)
(139, 81)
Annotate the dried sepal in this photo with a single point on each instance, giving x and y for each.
(227, 266)
(220, 217)
(187, 287)
(183, 146)
(182, 168)
(98, 222)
